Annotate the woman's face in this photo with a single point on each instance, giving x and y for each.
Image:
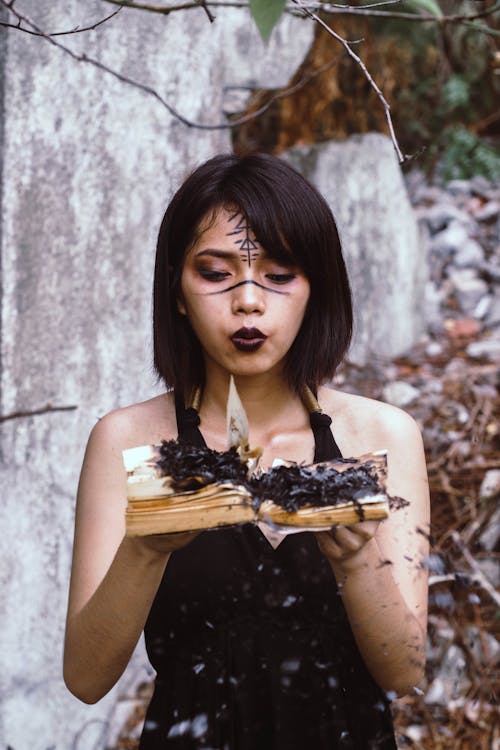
(245, 308)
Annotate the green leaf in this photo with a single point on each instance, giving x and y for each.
(429, 6)
(265, 14)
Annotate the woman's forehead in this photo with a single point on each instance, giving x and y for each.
(220, 220)
(228, 227)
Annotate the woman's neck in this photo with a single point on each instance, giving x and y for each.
(268, 400)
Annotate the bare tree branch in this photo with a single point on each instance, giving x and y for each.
(366, 73)
(149, 89)
(329, 8)
(76, 30)
(35, 412)
(298, 7)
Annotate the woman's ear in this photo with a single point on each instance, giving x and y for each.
(181, 307)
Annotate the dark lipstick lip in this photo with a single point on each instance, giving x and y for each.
(248, 333)
(248, 339)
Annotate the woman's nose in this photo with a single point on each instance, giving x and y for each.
(248, 297)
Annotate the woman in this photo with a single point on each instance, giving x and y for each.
(256, 644)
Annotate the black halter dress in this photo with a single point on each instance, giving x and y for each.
(252, 646)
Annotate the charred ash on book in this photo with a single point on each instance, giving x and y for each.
(291, 487)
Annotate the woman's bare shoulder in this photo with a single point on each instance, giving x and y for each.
(364, 423)
(147, 422)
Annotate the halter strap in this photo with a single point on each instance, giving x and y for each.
(325, 447)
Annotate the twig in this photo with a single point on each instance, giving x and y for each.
(478, 573)
(76, 30)
(35, 412)
(363, 67)
(204, 5)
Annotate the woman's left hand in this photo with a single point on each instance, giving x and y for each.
(344, 544)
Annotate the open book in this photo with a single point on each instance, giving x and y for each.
(174, 487)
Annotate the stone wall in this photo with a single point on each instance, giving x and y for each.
(88, 164)
(386, 256)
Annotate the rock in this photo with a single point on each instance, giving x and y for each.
(490, 486)
(468, 289)
(470, 253)
(440, 215)
(488, 211)
(385, 254)
(488, 349)
(482, 307)
(434, 349)
(451, 680)
(459, 187)
(491, 270)
(492, 317)
(400, 393)
(479, 185)
(449, 241)
(433, 302)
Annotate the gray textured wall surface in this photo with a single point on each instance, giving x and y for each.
(88, 164)
(385, 256)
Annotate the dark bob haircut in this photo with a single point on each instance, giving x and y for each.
(292, 222)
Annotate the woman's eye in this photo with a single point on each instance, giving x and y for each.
(213, 275)
(281, 278)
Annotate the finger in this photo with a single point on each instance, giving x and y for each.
(365, 529)
(348, 540)
(328, 545)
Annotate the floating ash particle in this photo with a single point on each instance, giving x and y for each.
(199, 726)
(195, 728)
(290, 665)
(179, 729)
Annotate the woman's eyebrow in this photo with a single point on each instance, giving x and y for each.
(214, 252)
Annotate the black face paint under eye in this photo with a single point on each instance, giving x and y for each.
(241, 283)
(212, 275)
(281, 278)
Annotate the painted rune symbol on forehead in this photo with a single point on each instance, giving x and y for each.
(244, 239)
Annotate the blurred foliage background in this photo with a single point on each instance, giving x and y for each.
(440, 76)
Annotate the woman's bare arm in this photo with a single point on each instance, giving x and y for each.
(114, 579)
(379, 566)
